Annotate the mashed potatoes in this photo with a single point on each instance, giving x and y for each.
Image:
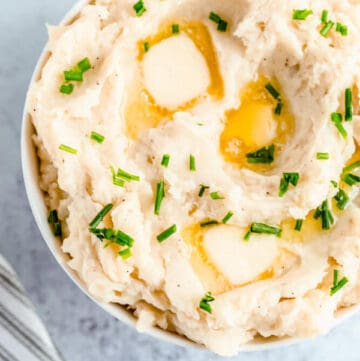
(222, 139)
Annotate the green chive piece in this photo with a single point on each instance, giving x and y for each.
(273, 92)
(116, 180)
(324, 16)
(214, 17)
(348, 105)
(68, 149)
(53, 219)
(247, 236)
(165, 160)
(342, 29)
(278, 109)
(175, 28)
(222, 24)
(337, 119)
(84, 65)
(127, 176)
(352, 166)
(125, 253)
(216, 196)
(298, 225)
(97, 137)
(192, 163)
(326, 216)
(265, 228)
(160, 194)
(73, 75)
(286, 180)
(342, 199)
(67, 88)
(334, 183)
(208, 223)
(139, 8)
(167, 233)
(317, 213)
(326, 28)
(202, 190)
(205, 302)
(113, 236)
(146, 46)
(322, 156)
(337, 285)
(301, 14)
(264, 155)
(100, 216)
(227, 217)
(350, 179)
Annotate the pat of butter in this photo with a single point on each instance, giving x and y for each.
(175, 72)
(238, 260)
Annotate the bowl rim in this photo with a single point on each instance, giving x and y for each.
(30, 170)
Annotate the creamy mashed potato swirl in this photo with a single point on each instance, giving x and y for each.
(273, 236)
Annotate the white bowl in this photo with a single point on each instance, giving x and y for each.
(30, 167)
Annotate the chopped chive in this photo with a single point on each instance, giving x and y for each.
(116, 180)
(216, 196)
(342, 199)
(84, 65)
(286, 180)
(273, 92)
(100, 216)
(264, 155)
(247, 236)
(73, 75)
(222, 24)
(352, 166)
(97, 137)
(67, 88)
(326, 28)
(113, 236)
(227, 217)
(265, 228)
(348, 105)
(205, 302)
(53, 219)
(175, 28)
(127, 176)
(139, 8)
(278, 109)
(160, 194)
(342, 29)
(301, 14)
(146, 46)
(68, 149)
(298, 225)
(208, 223)
(167, 233)
(322, 156)
(350, 179)
(192, 163)
(337, 285)
(326, 216)
(337, 119)
(334, 183)
(125, 253)
(202, 190)
(324, 16)
(317, 213)
(165, 160)
(214, 17)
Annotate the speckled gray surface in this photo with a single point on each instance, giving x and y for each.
(81, 330)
